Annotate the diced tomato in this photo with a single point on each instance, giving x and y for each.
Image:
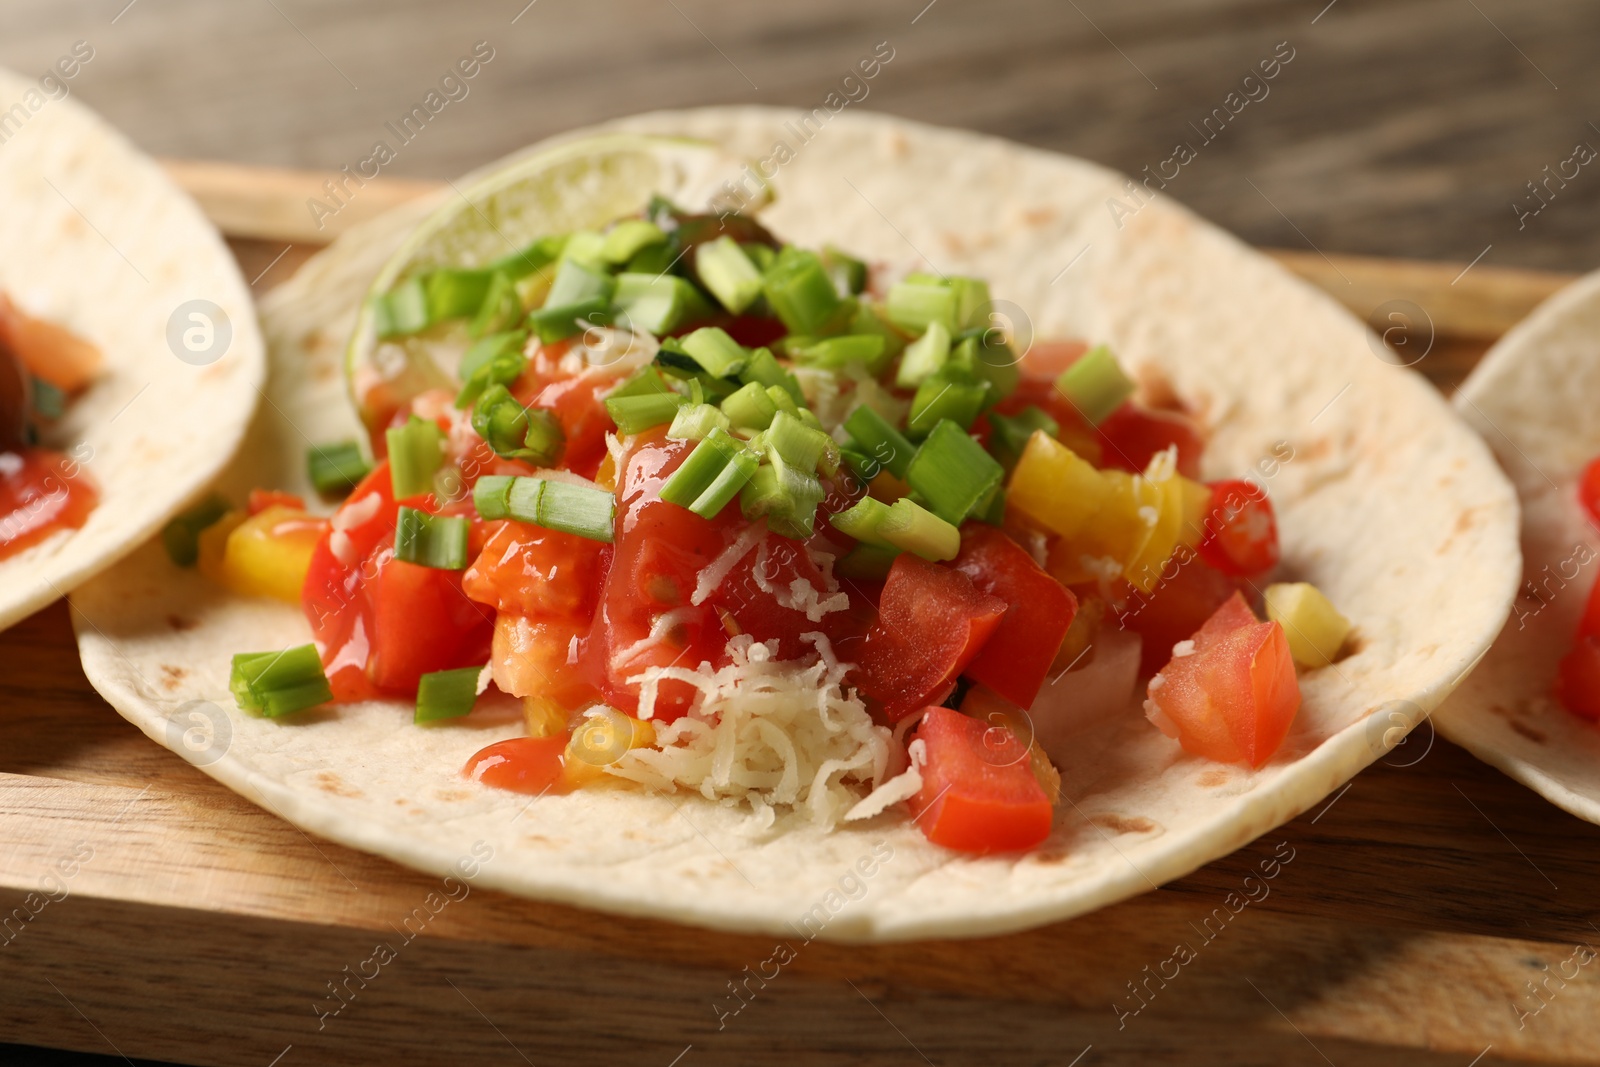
(1017, 657)
(979, 793)
(529, 570)
(1233, 697)
(262, 499)
(931, 623)
(1132, 435)
(539, 657)
(379, 623)
(1589, 623)
(754, 331)
(1589, 490)
(1045, 360)
(534, 765)
(1186, 594)
(1241, 532)
(1578, 679)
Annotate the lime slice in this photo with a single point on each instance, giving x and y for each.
(583, 184)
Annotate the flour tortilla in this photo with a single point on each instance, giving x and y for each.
(1392, 506)
(1532, 398)
(95, 237)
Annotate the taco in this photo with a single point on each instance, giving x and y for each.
(130, 362)
(715, 552)
(1530, 708)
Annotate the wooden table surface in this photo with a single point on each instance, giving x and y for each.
(1433, 913)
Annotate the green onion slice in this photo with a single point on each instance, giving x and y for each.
(800, 446)
(279, 683)
(695, 421)
(635, 414)
(787, 498)
(585, 511)
(515, 432)
(336, 468)
(912, 305)
(715, 350)
(1008, 434)
(1095, 384)
(953, 473)
(711, 475)
(181, 535)
(725, 270)
(491, 495)
(912, 527)
(836, 353)
(628, 238)
(446, 694)
(800, 291)
(416, 451)
(751, 407)
(493, 360)
(438, 541)
(657, 303)
(876, 438)
(501, 308)
(924, 357)
(944, 397)
(861, 520)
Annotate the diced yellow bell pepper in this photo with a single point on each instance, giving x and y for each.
(213, 543)
(269, 553)
(1055, 488)
(600, 740)
(1313, 626)
(1125, 522)
(1180, 520)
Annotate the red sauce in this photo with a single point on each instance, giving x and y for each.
(534, 765)
(41, 492)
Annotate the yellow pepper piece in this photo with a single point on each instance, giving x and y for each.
(1125, 522)
(213, 542)
(1055, 488)
(543, 716)
(1180, 521)
(269, 553)
(600, 740)
(1314, 628)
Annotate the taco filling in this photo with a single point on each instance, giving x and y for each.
(42, 367)
(772, 525)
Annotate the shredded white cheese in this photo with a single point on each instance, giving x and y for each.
(902, 786)
(776, 734)
(1181, 649)
(716, 572)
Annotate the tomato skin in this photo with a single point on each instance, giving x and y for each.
(979, 793)
(1016, 658)
(1589, 490)
(931, 623)
(380, 623)
(1241, 531)
(1132, 435)
(528, 570)
(1233, 698)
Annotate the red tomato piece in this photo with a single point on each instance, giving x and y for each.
(1589, 490)
(931, 623)
(1132, 435)
(262, 499)
(534, 765)
(379, 623)
(1241, 532)
(1578, 679)
(1187, 594)
(978, 791)
(529, 570)
(1233, 697)
(535, 658)
(1589, 623)
(1017, 657)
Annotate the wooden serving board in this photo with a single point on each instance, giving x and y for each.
(1430, 912)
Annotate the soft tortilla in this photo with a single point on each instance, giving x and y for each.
(1392, 506)
(97, 238)
(1533, 399)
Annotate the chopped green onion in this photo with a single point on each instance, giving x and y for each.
(913, 305)
(438, 541)
(861, 520)
(867, 563)
(454, 293)
(800, 291)
(763, 367)
(534, 258)
(644, 383)
(402, 310)
(48, 401)
(635, 414)
(942, 397)
(576, 283)
(491, 495)
(993, 360)
(864, 466)
(493, 360)
(868, 319)
(713, 349)
(742, 466)
(848, 273)
(336, 468)
(416, 451)
(784, 402)
(1008, 434)
(800, 446)
(835, 353)
(692, 422)
(993, 510)
(446, 694)
(628, 238)
(181, 535)
(279, 683)
(554, 322)
(914, 528)
(972, 301)
(711, 476)
(750, 407)
(515, 432)
(875, 437)
(728, 273)
(763, 256)
(924, 357)
(580, 510)
(1095, 384)
(501, 308)
(786, 497)
(953, 473)
(654, 259)
(657, 303)
(585, 247)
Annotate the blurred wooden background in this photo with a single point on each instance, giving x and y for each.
(1400, 127)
